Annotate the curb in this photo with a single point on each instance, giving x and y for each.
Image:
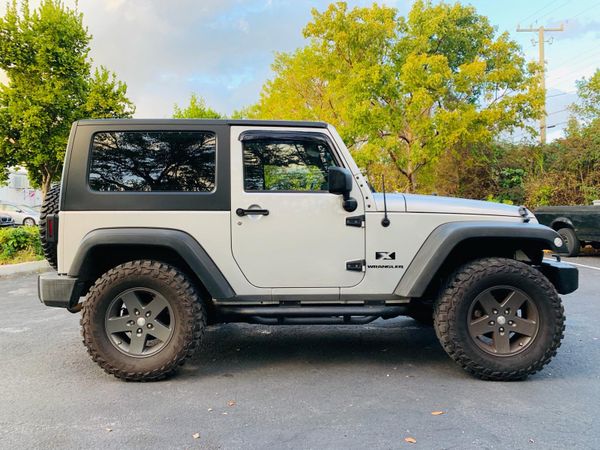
(22, 268)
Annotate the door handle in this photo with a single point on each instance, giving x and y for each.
(251, 212)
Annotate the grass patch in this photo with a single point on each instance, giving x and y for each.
(20, 244)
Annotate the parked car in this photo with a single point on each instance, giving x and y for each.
(577, 225)
(36, 208)
(6, 221)
(21, 214)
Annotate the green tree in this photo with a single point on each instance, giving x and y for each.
(196, 109)
(588, 91)
(44, 53)
(405, 91)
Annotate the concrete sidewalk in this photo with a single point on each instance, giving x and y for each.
(22, 268)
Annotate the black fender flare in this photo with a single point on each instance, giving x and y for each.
(187, 247)
(564, 220)
(446, 237)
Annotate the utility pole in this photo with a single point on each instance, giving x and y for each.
(541, 30)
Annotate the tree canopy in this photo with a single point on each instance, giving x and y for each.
(45, 54)
(405, 91)
(196, 109)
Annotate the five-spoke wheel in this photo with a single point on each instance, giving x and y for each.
(503, 320)
(139, 322)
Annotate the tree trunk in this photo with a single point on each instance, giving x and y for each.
(46, 183)
(412, 182)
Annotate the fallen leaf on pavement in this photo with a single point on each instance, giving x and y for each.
(437, 413)
(196, 435)
(109, 429)
(410, 440)
(209, 409)
(231, 403)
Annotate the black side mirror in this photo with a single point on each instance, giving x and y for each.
(340, 183)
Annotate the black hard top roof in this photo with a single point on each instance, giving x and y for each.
(240, 122)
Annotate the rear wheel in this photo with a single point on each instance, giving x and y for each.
(49, 206)
(29, 222)
(142, 320)
(571, 242)
(499, 319)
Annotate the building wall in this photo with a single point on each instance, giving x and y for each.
(19, 191)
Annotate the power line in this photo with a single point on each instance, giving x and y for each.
(579, 66)
(559, 111)
(555, 9)
(556, 124)
(539, 10)
(587, 52)
(585, 10)
(562, 93)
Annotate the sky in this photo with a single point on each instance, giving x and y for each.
(223, 49)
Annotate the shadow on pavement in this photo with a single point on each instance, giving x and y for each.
(236, 348)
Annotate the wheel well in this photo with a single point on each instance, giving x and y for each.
(102, 258)
(527, 250)
(561, 224)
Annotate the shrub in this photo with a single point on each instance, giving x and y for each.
(21, 243)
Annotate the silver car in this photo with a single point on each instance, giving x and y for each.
(6, 221)
(21, 214)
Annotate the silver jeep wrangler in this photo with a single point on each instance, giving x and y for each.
(162, 227)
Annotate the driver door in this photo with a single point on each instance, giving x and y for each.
(288, 231)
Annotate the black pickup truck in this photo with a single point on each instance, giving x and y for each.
(577, 225)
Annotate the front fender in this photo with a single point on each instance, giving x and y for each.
(446, 237)
(564, 220)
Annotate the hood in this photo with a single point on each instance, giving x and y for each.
(447, 205)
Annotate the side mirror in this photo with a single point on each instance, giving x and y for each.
(340, 183)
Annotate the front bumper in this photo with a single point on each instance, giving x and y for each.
(60, 291)
(564, 277)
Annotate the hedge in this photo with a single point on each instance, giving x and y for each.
(20, 244)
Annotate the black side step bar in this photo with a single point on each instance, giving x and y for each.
(295, 315)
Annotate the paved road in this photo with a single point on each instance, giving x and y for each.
(293, 387)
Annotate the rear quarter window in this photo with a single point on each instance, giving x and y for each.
(149, 161)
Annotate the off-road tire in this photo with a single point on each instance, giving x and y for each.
(572, 243)
(451, 318)
(49, 206)
(184, 300)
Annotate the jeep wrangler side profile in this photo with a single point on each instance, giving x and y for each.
(162, 227)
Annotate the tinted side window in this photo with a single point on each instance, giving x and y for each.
(145, 161)
(280, 165)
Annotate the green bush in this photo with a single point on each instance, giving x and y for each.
(20, 244)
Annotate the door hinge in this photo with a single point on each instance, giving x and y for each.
(355, 221)
(356, 266)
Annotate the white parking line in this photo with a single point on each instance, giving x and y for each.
(578, 265)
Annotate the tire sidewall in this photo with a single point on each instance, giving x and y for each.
(573, 244)
(536, 350)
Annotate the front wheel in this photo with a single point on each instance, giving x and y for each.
(142, 320)
(571, 242)
(29, 222)
(500, 319)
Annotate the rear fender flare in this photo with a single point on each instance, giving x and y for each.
(188, 248)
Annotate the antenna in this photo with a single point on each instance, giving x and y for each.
(385, 222)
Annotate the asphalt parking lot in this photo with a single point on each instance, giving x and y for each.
(294, 387)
